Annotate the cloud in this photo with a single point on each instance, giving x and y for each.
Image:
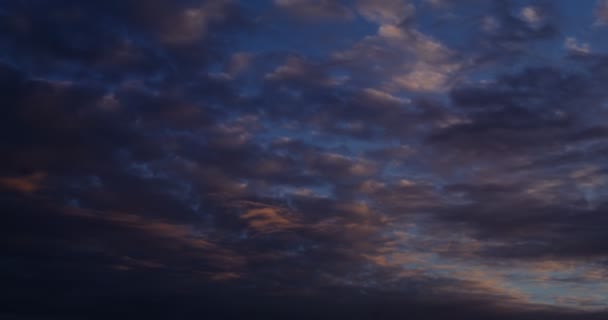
(386, 12)
(267, 220)
(601, 12)
(26, 184)
(368, 159)
(410, 59)
(573, 45)
(318, 9)
(531, 15)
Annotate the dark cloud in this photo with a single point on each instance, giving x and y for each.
(533, 110)
(117, 39)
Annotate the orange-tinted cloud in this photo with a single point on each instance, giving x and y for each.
(25, 184)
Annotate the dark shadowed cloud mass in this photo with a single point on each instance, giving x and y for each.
(304, 159)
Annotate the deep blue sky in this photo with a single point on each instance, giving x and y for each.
(310, 159)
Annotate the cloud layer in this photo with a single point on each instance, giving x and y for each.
(304, 159)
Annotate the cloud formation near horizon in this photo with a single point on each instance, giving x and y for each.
(304, 159)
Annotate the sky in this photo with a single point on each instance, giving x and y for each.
(303, 159)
